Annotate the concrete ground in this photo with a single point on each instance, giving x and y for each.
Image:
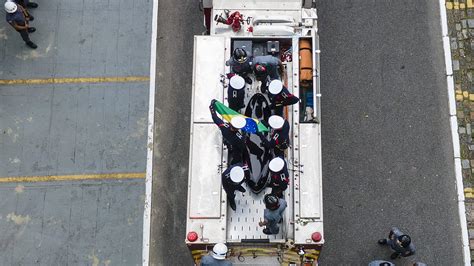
(83, 137)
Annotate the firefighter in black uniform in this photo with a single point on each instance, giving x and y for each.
(232, 180)
(240, 64)
(279, 135)
(280, 96)
(236, 92)
(231, 135)
(279, 176)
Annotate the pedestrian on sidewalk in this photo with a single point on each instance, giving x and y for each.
(18, 18)
(399, 242)
(25, 3)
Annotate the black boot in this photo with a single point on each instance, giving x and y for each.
(31, 29)
(382, 241)
(232, 205)
(32, 45)
(31, 18)
(32, 5)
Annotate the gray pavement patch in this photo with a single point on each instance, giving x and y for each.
(72, 224)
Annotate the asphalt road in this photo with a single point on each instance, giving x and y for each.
(387, 152)
(387, 155)
(178, 22)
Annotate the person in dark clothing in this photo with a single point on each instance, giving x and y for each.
(236, 92)
(399, 242)
(279, 136)
(279, 176)
(267, 68)
(232, 180)
(216, 256)
(19, 19)
(25, 3)
(240, 64)
(231, 135)
(280, 96)
(273, 214)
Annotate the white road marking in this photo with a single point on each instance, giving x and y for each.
(149, 159)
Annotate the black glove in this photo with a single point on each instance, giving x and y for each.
(211, 106)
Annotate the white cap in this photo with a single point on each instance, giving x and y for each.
(219, 251)
(276, 121)
(275, 86)
(237, 82)
(276, 164)
(10, 7)
(237, 174)
(238, 122)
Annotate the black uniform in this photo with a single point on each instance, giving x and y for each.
(279, 181)
(21, 17)
(234, 140)
(240, 68)
(236, 98)
(282, 99)
(279, 139)
(230, 187)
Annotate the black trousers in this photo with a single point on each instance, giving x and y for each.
(24, 35)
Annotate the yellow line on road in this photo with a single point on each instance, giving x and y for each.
(449, 5)
(51, 178)
(73, 80)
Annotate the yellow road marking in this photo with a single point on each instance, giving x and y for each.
(449, 5)
(73, 80)
(51, 178)
(469, 4)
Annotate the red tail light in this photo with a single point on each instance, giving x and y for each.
(192, 236)
(316, 236)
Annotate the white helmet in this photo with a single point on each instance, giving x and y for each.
(10, 7)
(276, 121)
(237, 82)
(219, 251)
(237, 174)
(238, 122)
(275, 86)
(276, 164)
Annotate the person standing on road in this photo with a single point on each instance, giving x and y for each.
(216, 256)
(273, 214)
(232, 180)
(25, 3)
(381, 263)
(399, 242)
(18, 18)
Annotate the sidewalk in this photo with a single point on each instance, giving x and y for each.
(461, 31)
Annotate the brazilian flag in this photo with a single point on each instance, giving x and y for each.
(252, 125)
